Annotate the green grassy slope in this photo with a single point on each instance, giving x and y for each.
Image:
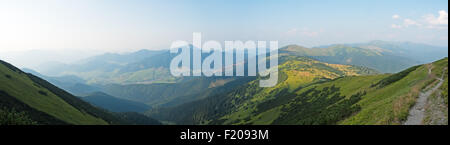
(324, 103)
(296, 73)
(239, 105)
(390, 104)
(374, 99)
(436, 110)
(45, 103)
(312, 92)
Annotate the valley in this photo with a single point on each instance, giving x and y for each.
(373, 83)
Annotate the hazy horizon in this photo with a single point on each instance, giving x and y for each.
(22, 59)
(67, 31)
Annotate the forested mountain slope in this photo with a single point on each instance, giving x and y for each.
(310, 93)
(242, 102)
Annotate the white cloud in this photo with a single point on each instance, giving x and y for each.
(428, 21)
(395, 16)
(409, 22)
(395, 26)
(441, 20)
(406, 24)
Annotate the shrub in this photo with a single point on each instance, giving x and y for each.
(14, 118)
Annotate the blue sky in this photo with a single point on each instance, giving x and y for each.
(123, 26)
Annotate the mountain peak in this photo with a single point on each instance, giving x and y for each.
(294, 48)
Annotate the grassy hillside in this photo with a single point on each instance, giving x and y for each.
(312, 92)
(17, 84)
(437, 104)
(309, 92)
(374, 99)
(237, 106)
(390, 103)
(31, 98)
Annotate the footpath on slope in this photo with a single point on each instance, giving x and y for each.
(417, 112)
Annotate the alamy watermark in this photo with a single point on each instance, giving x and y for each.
(234, 56)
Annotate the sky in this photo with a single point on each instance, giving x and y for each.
(72, 29)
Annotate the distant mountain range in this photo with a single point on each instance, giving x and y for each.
(148, 67)
(416, 51)
(143, 67)
(70, 83)
(387, 57)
